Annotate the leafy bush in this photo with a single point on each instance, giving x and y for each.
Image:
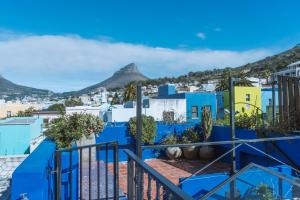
(246, 121)
(73, 102)
(148, 128)
(26, 113)
(190, 135)
(69, 128)
(57, 107)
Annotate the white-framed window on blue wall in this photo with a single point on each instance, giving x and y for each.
(194, 112)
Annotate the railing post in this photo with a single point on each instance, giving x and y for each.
(58, 174)
(273, 101)
(138, 147)
(232, 115)
(130, 180)
(116, 172)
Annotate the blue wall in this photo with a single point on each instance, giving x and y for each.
(15, 138)
(120, 133)
(245, 154)
(34, 176)
(200, 99)
(166, 90)
(198, 186)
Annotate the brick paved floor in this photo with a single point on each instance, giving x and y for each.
(172, 170)
(102, 178)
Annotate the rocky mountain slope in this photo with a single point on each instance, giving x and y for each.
(10, 89)
(119, 79)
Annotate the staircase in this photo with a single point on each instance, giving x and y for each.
(8, 164)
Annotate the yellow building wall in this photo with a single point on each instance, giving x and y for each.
(242, 102)
(15, 107)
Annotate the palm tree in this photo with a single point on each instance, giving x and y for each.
(224, 81)
(130, 92)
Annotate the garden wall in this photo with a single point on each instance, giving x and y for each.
(120, 132)
(245, 154)
(35, 178)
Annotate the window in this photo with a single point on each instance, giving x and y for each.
(194, 112)
(247, 97)
(8, 114)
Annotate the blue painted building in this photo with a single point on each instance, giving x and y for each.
(166, 90)
(266, 98)
(17, 133)
(195, 101)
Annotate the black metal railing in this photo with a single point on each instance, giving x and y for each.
(157, 186)
(82, 172)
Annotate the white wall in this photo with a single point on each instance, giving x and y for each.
(83, 109)
(122, 114)
(156, 109)
(158, 106)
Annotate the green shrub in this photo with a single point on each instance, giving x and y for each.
(246, 121)
(190, 135)
(148, 128)
(70, 128)
(171, 139)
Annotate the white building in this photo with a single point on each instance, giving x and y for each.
(292, 70)
(47, 115)
(84, 109)
(157, 107)
(152, 107)
(257, 82)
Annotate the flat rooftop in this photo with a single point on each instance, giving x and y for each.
(18, 121)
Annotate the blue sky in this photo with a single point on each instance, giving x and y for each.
(67, 45)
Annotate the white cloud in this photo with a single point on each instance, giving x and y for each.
(217, 29)
(70, 62)
(201, 35)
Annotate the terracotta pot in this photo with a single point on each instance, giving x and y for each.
(207, 152)
(190, 153)
(91, 139)
(173, 152)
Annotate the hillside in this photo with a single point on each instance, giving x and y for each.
(12, 90)
(259, 68)
(119, 79)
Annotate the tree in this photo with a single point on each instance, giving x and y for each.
(68, 129)
(73, 102)
(57, 107)
(130, 92)
(116, 99)
(26, 113)
(148, 128)
(223, 83)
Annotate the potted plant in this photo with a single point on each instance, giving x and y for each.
(206, 152)
(148, 129)
(172, 152)
(190, 135)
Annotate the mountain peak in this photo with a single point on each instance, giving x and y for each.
(130, 68)
(119, 79)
